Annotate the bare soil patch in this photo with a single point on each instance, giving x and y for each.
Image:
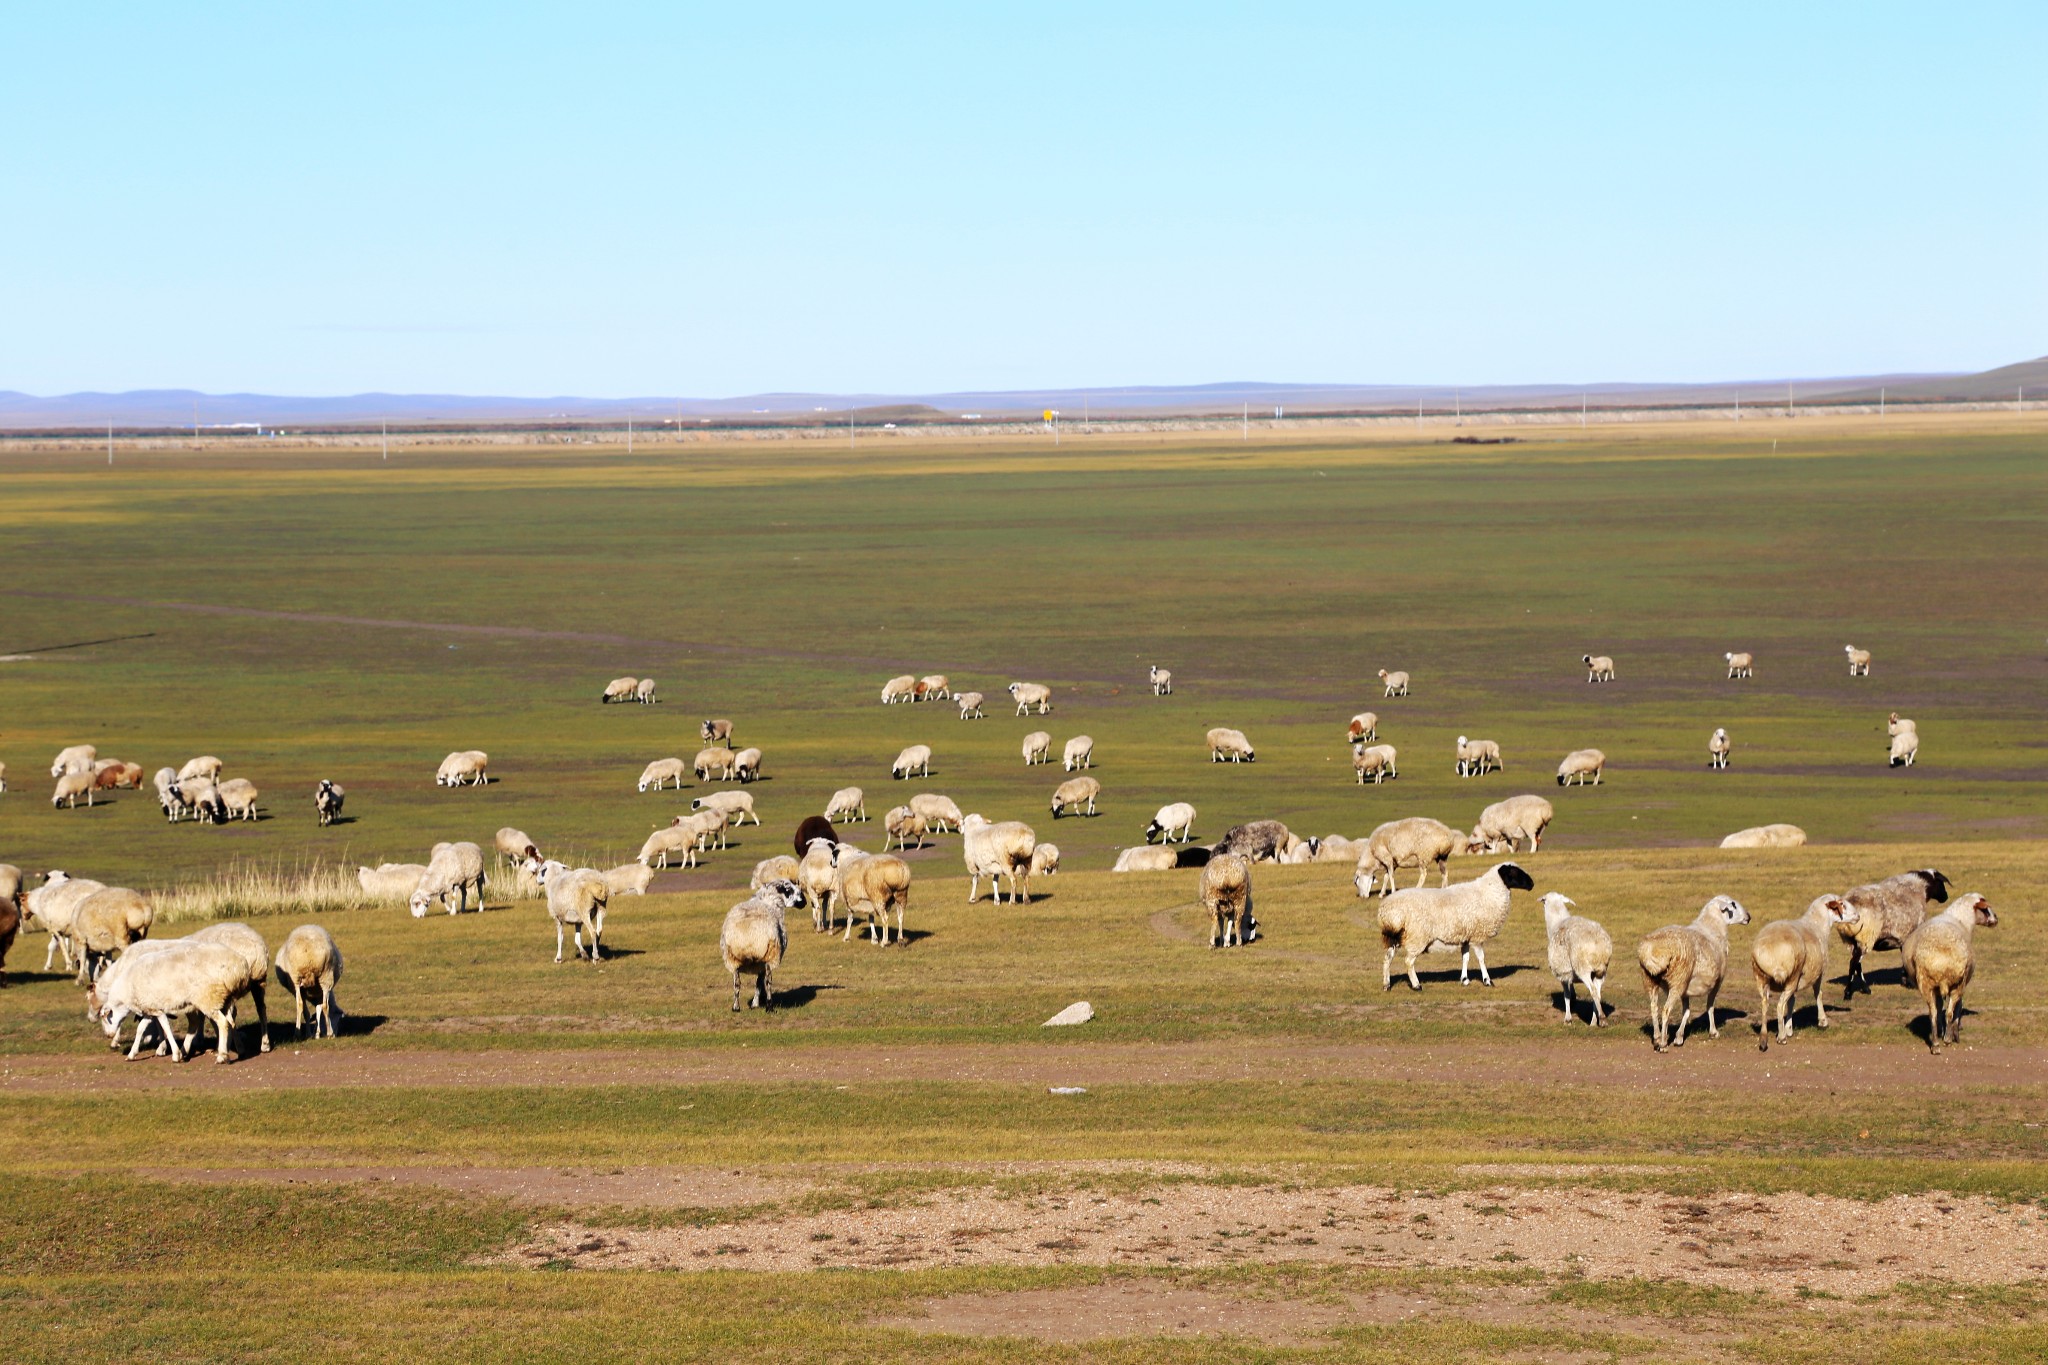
(633, 1187)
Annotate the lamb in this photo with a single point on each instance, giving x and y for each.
(1887, 912)
(105, 923)
(70, 787)
(870, 886)
(513, 843)
(899, 689)
(206, 768)
(901, 824)
(390, 881)
(1599, 668)
(660, 773)
(55, 904)
(1079, 753)
(1791, 955)
(933, 688)
(1502, 824)
(327, 800)
(1859, 661)
(1256, 841)
(619, 689)
(631, 879)
(997, 851)
(1365, 726)
(1766, 836)
(1418, 842)
(576, 900)
(848, 803)
(1161, 680)
(915, 759)
(1739, 665)
(734, 806)
(716, 759)
(1227, 745)
(1078, 792)
(716, 732)
(643, 692)
(937, 812)
(464, 767)
(1396, 681)
(78, 758)
(309, 960)
(238, 796)
(781, 868)
(1579, 951)
(1029, 695)
(1680, 961)
(1938, 963)
(754, 937)
(1226, 892)
(1580, 764)
(1466, 916)
(1717, 749)
(178, 979)
(1375, 761)
(1045, 860)
(1178, 816)
(746, 765)
(1905, 742)
(1147, 858)
(1037, 748)
(453, 868)
(970, 706)
(1477, 757)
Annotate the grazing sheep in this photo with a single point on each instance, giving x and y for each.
(1162, 681)
(619, 689)
(255, 962)
(169, 796)
(1256, 841)
(1396, 683)
(180, 978)
(1680, 961)
(1938, 963)
(734, 806)
(915, 759)
(1477, 757)
(1178, 816)
(848, 803)
(1418, 842)
(464, 767)
(454, 868)
(1045, 860)
(1504, 823)
(781, 868)
(1739, 665)
(1364, 727)
(1579, 765)
(1859, 661)
(746, 765)
(1028, 695)
(1717, 749)
(818, 876)
(870, 886)
(643, 692)
(1336, 848)
(206, 768)
(1905, 742)
(1580, 951)
(1147, 858)
(238, 795)
(1227, 745)
(1299, 852)
(899, 689)
(660, 773)
(78, 758)
(717, 760)
(1079, 753)
(201, 799)
(1599, 668)
(632, 879)
(1037, 748)
(970, 706)
(1226, 892)
(937, 812)
(754, 938)
(111, 774)
(704, 827)
(997, 851)
(327, 800)
(1437, 919)
(1887, 912)
(1078, 792)
(1374, 762)
(716, 732)
(54, 905)
(577, 898)
(70, 787)
(901, 824)
(309, 960)
(934, 688)
(106, 922)
(513, 843)
(1766, 836)
(813, 827)
(1791, 955)
(390, 881)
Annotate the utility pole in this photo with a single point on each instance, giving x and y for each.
(1789, 409)
(849, 428)
(110, 444)
(1880, 402)
(384, 434)
(1738, 405)
(1582, 412)
(1418, 412)
(629, 435)
(1247, 420)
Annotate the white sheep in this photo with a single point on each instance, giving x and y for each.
(1905, 736)
(643, 692)
(1504, 823)
(1028, 695)
(78, 758)
(1418, 842)
(454, 868)
(105, 923)
(703, 826)
(1045, 860)
(1077, 792)
(1580, 950)
(238, 796)
(716, 732)
(754, 937)
(1179, 816)
(716, 760)
(938, 812)
(577, 898)
(933, 687)
(736, 807)
(998, 852)
(1336, 848)
(1037, 748)
(390, 881)
(1437, 919)
(1396, 683)
(1225, 889)
(1580, 764)
(1375, 763)
(1229, 746)
(1162, 681)
(1477, 757)
(201, 798)
(970, 706)
(900, 689)
(168, 796)
(1766, 836)
(902, 824)
(1364, 727)
(848, 803)
(1147, 858)
(308, 961)
(180, 978)
(1859, 661)
(662, 772)
(1599, 668)
(631, 879)
(746, 765)
(1886, 913)
(54, 905)
(1791, 955)
(1680, 961)
(1937, 961)
(1079, 753)
(780, 868)
(916, 759)
(464, 767)
(870, 885)
(1718, 747)
(327, 800)
(818, 876)
(1740, 665)
(513, 843)
(619, 689)
(71, 786)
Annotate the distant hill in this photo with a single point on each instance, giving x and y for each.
(2004, 382)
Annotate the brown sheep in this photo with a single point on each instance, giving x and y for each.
(872, 886)
(1226, 890)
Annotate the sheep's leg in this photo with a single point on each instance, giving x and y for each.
(1464, 964)
(224, 1025)
(558, 941)
(1414, 981)
(1387, 971)
(1855, 971)
(298, 1010)
(1928, 999)
(178, 1054)
(735, 990)
(1955, 1015)
(1565, 989)
(1594, 984)
(1479, 951)
(1820, 1009)
(973, 886)
(1684, 1021)
(1444, 866)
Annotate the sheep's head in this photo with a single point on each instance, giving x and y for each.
(1840, 913)
(783, 892)
(1556, 906)
(1937, 884)
(1513, 877)
(1729, 909)
(1979, 908)
(418, 904)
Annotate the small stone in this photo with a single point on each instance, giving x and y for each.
(1080, 1012)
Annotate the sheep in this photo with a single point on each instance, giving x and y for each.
(1226, 893)
(1335, 848)
(1028, 695)
(716, 732)
(746, 765)
(464, 767)
(937, 812)
(1739, 665)
(242, 939)
(1887, 912)
(1599, 668)
(734, 806)
(899, 689)
(513, 843)
(619, 689)
(1045, 860)
(934, 688)
(327, 800)
(1364, 727)
(1079, 753)
(309, 960)
(1938, 963)
(1859, 661)
(915, 759)
(814, 827)
(630, 879)
(10, 912)
(643, 692)
(390, 881)
(1580, 951)
(1766, 836)
(1580, 764)
(238, 795)
(453, 868)
(201, 799)
(70, 787)
(1466, 916)
(660, 773)
(900, 824)
(576, 900)
(717, 759)
(753, 939)
(78, 758)
(1477, 757)
(970, 706)
(781, 867)
(871, 885)
(818, 876)
(1377, 762)
(1683, 960)
(167, 795)
(1078, 792)
(1504, 823)
(1905, 742)
(1396, 683)
(1300, 852)
(1418, 842)
(1178, 816)
(206, 767)
(1227, 745)
(997, 851)
(106, 922)
(3, 777)
(1146, 858)
(178, 979)
(1717, 749)
(703, 826)
(1257, 841)
(1791, 955)
(848, 803)
(111, 774)
(54, 905)
(1161, 680)
(1037, 748)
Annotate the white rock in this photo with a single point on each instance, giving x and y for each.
(1080, 1012)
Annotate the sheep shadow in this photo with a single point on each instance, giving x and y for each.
(1882, 976)
(612, 954)
(1922, 1028)
(1738, 1020)
(1580, 1005)
(283, 1034)
(795, 997)
(1447, 975)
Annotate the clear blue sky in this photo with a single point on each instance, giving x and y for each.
(612, 200)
